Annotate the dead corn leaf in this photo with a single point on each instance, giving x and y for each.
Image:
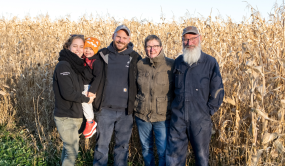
(255, 158)
(229, 100)
(267, 137)
(278, 145)
(3, 93)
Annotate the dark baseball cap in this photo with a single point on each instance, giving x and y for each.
(190, 29)
(123, 27)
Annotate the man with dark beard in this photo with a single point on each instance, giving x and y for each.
(198, 95)
(115, 97)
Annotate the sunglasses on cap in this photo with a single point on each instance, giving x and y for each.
(73, 35)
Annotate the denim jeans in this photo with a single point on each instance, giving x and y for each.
(108, 121)
(161, 132)
(68, 129)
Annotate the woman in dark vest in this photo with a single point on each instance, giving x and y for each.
(152, 105)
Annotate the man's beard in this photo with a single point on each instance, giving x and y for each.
(121, 49)
(191, 56)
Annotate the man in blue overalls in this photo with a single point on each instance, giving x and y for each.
(198, 95)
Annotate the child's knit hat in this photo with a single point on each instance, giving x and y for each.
(93, 43)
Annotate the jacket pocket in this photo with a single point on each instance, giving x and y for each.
(139, 103)
(66, 105)
(71, 105)
(201, 93)
(161, 105)
(142, 77)
(162, 78)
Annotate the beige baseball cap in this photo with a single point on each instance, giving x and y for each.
(190, 29)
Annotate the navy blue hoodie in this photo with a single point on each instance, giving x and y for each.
(117, 86)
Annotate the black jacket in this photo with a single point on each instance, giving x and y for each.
(96, 72)
(100, 91)
(68, 87)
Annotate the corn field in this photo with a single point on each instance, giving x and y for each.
(249, 126)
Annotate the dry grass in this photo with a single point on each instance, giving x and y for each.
(249, 125)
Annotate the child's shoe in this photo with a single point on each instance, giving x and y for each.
(90, 129)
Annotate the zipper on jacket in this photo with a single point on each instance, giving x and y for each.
(152, 77)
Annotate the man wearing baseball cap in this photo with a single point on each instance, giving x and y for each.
(198, 95)
(115, 98)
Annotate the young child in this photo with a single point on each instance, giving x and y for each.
(91, 46)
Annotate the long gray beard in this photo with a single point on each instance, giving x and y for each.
(192, 56)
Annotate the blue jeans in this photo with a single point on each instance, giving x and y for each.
(122, 124)
(161, 132)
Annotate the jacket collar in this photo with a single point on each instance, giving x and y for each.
(156, 60)
(202, 57)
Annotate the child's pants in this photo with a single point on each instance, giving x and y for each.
(87, 108)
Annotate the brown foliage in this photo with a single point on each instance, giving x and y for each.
(249, 124)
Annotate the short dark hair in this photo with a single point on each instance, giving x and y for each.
(67, 44)
(152, 37)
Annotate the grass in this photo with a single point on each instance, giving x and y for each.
(16, 148)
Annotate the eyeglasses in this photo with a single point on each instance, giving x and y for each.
(152, 47)
(191, 39)
(73, 35)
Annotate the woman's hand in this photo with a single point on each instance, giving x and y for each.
(91, 99)
(90, 94)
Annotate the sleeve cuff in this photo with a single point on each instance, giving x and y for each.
(212, 112)
(85, 99)
(91, 89)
